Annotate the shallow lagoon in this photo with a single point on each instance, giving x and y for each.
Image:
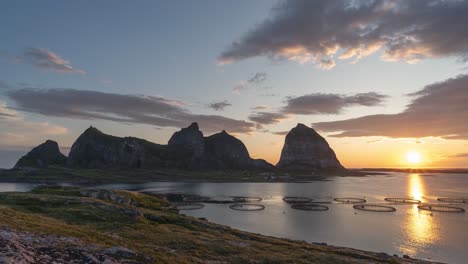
(420, 234)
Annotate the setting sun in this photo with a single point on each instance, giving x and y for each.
(413, 157)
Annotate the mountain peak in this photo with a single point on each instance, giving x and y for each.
(305, 149)
(47, 153)
(194, 126)
(92, 130)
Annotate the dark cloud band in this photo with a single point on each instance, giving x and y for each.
(152, 110)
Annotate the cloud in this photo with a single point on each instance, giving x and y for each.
(256, 80)
(279, 133)
(267, 118)
(321, 31)
(16, 131)
(314, 104)
(45, 59)
(219, 106)
(92, 105)
(460, 155)
(260, 107)
(438, 110)
(319, 103)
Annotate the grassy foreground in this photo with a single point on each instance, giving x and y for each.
(154, 230)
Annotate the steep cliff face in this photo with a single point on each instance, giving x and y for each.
(190, 137)
(224, 151)
(305, 149)
(47, 153)
(94, 149)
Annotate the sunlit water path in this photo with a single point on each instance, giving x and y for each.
(420, 234)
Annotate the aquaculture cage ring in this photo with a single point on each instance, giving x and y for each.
(189, 206)
(296, 199)
(247, 207)
(350, 200)
(441, 208)
(246, 199)
(453, 200)
(402, 200)
(309, 207)
(374, 208)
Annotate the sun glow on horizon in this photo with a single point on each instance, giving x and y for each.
(413, 157)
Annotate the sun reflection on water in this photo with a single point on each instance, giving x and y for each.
(421, 228)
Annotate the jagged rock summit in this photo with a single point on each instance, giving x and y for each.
(187, 149)
(47, 153)
(190, 136)
(305, 149)
(94, 149)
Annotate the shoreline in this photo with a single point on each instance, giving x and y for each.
(55, 175)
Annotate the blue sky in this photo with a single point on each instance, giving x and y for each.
(170, 49)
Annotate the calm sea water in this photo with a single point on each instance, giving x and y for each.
(437, 236)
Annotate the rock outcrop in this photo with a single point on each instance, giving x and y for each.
(190, 137)
(305, 149)
(94, 149)
(47, 153)
(224, 151)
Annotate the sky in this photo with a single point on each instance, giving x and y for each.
(378, 79)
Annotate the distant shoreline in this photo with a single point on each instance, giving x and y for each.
(114, 175)
(417, 170)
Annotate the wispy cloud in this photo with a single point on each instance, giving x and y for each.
(438, 110)
(459, 155)
(320, 31)
(255, 80)
(43, 59)
(152, 110)
(267, 118)
(219, 106)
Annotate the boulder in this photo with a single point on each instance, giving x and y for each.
(47, 153)
(304, 149)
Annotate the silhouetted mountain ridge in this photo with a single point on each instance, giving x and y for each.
(188, 148)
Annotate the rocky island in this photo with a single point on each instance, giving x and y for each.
(188, 156)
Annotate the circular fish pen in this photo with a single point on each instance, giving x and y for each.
(189, 206)
(296, 199)
(453, 200)
(402, 200)
(309, 207)
(374, 208)
(441, 208)
(247, 207)
(349, 200)
(246, 199)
